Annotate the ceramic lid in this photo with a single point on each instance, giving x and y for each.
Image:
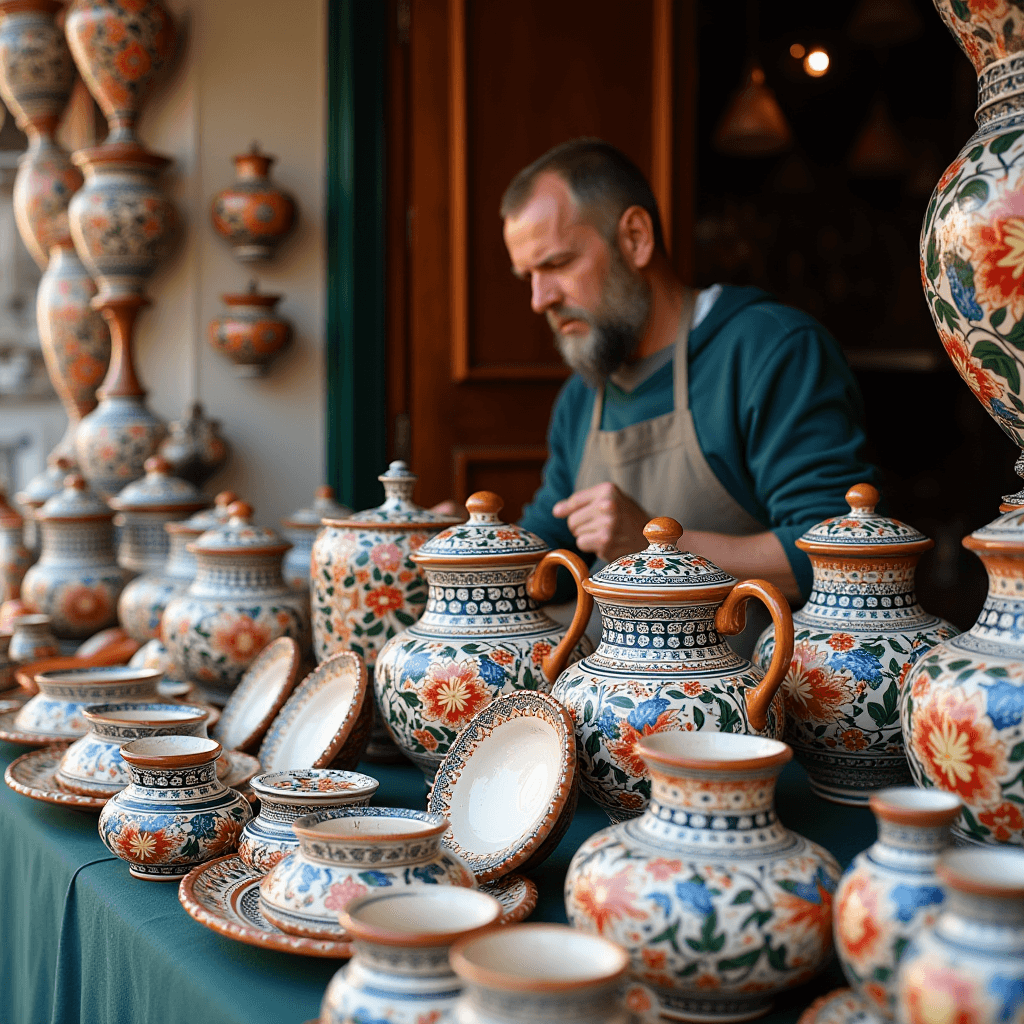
(208, 518)
(662, 572)
(158, 491)
(239, 536)
(45, 485)
(324, 506)
(76, 501)
(8, 514)
(1005, 532)
(483, 537)
(398, 510)
(862, 531)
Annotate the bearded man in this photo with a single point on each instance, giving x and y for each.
(723, 408)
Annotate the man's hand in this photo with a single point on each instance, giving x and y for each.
(605, 521)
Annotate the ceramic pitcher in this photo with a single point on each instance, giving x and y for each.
(855, 640)
(481, 635)
(663, 663)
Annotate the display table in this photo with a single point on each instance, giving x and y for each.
(82, 941)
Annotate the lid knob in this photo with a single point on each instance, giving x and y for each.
(225, 499)
(325, 492)
(75, 481)
(862, 497)
(663, 530)
(157, 464)
(63, 463)
(484, 503)
(240, 510)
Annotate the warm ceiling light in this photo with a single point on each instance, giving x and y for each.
(816, 63)
(797, 50)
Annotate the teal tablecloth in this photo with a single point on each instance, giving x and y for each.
(81, 941)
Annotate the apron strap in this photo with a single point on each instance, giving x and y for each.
(681, 373)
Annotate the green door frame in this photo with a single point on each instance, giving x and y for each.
(356, 411)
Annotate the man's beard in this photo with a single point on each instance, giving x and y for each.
(615, 326)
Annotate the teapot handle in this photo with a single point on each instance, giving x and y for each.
(730, 620)
(541, 587)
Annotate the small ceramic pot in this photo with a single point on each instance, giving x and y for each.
(7, 679)
(194, 447)
(539, 973)
(175, 813)
(720, 906)
(286, 796)
(250, 334)
(855, 640)
(15, 558)
(120, 47)
(58, 709)
(236, 605)
(302, 528)
(77, 580)
(969, 966)
(253, 214)
(400, 971)
(891, 892)
(93, 765)
(37, 492)
(345, 853)
(32, 640)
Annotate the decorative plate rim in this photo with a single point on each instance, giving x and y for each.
(30, 739)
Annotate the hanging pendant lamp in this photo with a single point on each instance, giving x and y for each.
(879, 151)
(753, 123)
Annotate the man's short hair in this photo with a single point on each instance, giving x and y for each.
(602, 180)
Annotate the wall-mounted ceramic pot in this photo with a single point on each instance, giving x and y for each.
(301, 528)
(719, 905)
(194, 447)
(962, 704)
(77, 580)
(663, 664)
(15, 558)
(855, 640)
(238, 602)
(250, 333)
(253, 214)
(480, 636)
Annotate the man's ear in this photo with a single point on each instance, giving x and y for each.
(636, 237)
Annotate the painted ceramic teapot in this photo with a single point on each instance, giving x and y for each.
(302, 528)
(481, 635)
(962, 704)
(663, 663)
(854, 642)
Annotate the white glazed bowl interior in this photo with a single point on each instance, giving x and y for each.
(713, 746)
(359, 826)
(159, 716)
(312, 786)
(425, 910)
(171, 746)
(91, 679)
(254, 698)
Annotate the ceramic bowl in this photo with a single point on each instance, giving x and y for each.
(841, 1006)
(255, 702)
(93, 766)
(285, 796)
(508, 784)
(345, 853)
(325, 722)
(58, 709)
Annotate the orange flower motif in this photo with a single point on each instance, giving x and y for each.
(637, 1000)
(362, 575)
(936, 995)
(856, 917)
(500, 657)
(1004, 821)
(812, 689)
(417, 540)
(693, 687)
(853, 739)
(242, 639)
(656, 563)
(950, 173)
(841, 642)
(226, 839)
(505, 534)
(425, 738)
(661, 869)
(144, 847)
(453, 692)
(877, 994)
(606, 900)
(84, 604)
(634, 801)
(707, 981)
(802, 915)
(540, 651)
(341, 894)
(653, 958)
(383, 600)
(624, 750)
(387, 557)
(997, 254)
(979, 380)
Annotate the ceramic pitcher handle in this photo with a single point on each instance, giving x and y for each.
(730, 620)
(541, 587)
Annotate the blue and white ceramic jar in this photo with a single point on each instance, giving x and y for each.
(302, 527)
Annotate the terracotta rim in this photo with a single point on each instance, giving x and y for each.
(488, 978)
(306, 831)
(268, 549)
(885, 804)
(739, 764)
(815, 547)
(669, 596)
(950, 871)
(195, 759)
(350, 524)
(994, 547)
(182, 526)
(56, 795)
(299, 796)
(118, 152)
(135, 675)
(190, 713)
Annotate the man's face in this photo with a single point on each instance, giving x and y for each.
(596, 304)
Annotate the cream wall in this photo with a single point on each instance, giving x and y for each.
(248, 70)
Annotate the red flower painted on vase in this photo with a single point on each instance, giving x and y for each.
(341, 894)
(856, 919)
(935, 994)
(84, 604)
(500, 657)
(624, 750)
(997, 253)
(841, 642)
(1004, 821)
(950, 173)
(241, 639)
(226, 839)
(425, 738)
(453, 692)
(693, 687)
(661, 869)
(607, 900)
(853, 739)
(383, 600)
(978, 379)
(540, 651)
(143, 847)
(812, 689)
(387, 557)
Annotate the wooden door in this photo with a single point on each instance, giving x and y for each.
(478, 89)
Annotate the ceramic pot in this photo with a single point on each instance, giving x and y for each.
(481, 635)
(969, 965)
(855, 641)
(121, 47)
(175, 813)
(663, 664)
(539, 973)
(77, 580)
(15, 558)
(93, 765)
(45, 182)
(194, 447)
(302, 527)
(253, 214)
(345, 853)
(975, 296)
(238, 602)
(32, 640)
(962, 704)
(286, 796)
(399, 970)
(891, 892)
(58, 709)
(250, 334)
(37, 492)
(720, 906)
(7, 680)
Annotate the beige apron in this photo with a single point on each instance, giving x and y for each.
(660, 465)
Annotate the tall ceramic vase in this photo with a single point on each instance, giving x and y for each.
(972, 260)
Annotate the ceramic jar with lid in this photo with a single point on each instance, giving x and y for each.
(854, 642)
(77, 580)
(302, 527)
(15, 558)
(663, 664)
(193, 446)
(720, 906)
(962, 703)
(238, 602)
(251, 332)
(482, 633)
(37, 492)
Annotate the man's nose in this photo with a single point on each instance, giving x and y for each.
(544, 293)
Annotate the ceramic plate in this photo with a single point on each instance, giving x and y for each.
(508, 784)
(842, 1006)
(318, 717)
(266, 685)
(12, 734)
